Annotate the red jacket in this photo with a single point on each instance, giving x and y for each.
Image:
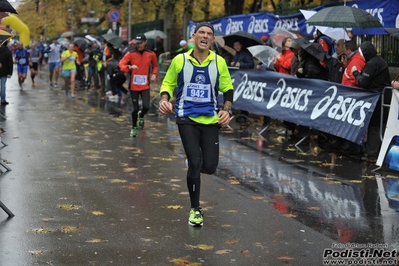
(348, 78)
(139, 78)
(283, 64)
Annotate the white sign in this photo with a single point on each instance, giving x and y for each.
(90, 20)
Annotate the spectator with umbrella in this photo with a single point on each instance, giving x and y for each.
(157, 46)
(242, 60)
(283, 61)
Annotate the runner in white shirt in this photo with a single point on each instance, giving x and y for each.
(54, 62)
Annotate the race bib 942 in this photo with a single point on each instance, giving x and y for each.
(198, 92)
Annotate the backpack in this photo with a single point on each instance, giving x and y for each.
(117, 77)
(331, 46)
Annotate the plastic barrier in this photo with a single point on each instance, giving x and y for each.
(18, 26)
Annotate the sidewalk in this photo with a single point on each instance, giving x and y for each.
(84, 193)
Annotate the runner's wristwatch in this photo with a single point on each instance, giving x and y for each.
(229, 111)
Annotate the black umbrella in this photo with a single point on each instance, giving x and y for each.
(5, 6)
(247, 39)
(81, 43)
(314, 49)
(394, 32)
(113, 39)
(344, 17)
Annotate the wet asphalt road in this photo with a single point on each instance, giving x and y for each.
(84, 193)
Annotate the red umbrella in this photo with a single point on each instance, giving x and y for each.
(5, 6)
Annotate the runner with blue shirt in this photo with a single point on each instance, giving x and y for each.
(198, 75)
(22, 60)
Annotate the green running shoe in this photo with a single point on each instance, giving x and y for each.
(134, 132)
(196, 217)
(141, 120)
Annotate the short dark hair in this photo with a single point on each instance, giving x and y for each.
(204, 24)
(351, 45)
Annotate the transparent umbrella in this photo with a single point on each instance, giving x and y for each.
(264, 53)
(278, 34)
(152, 34)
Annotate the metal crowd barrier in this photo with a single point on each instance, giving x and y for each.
(382, 126)
(2, 172)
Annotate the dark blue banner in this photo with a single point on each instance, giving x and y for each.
(259, 24)
(329, 107)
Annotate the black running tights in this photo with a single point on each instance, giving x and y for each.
(201, 144)
(145, 98)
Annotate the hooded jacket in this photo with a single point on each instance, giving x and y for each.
(375, 75)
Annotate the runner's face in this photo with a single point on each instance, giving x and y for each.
(141, 46)
(203, 38)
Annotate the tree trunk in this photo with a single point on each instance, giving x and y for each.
(169, 9)
(188, 14)
(234, 7)
(206, 10)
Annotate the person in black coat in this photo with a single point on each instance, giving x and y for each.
(374, 77)
(310, 67)
(6, 69)
(157, 47)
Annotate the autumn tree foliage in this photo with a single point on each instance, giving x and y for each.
(52, 17)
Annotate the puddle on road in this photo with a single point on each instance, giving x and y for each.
(336, 195)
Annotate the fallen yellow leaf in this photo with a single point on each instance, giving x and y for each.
(70, 229)
(285, 258)
(200, 246)
(118, 181)
(314, 208)
(289, 215)
(36, 252)
(69, 207)
(175, 207)
(245, 252)
(40, 230)
(97, 213)
(97, 240)
(226, 225)
(223, 251)
(231, 242)
(129, 169)
(257, 197)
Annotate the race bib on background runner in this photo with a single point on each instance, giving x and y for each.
(139, 79)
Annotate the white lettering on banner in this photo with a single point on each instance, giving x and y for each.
(234, 26)
(347, 106)
(287, 24)
(250, 90)
(378, 12)
(218, 27)
(290, 97)
(258, 25)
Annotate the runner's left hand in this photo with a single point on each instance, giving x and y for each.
(224, 118)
